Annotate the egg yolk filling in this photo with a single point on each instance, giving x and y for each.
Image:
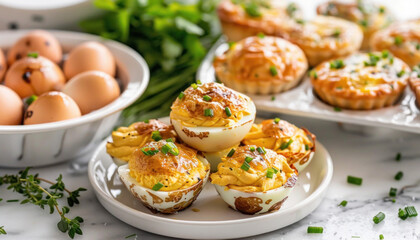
(252, 169)
(209, 105)
(171, 165)
(126, 140)
(282, 137)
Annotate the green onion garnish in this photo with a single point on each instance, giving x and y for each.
(32, 55)
(312, 229)
(313, 74)
(336, 33)
(156, 136)
(252, 9)
(273, 98)
(273, 71)
(400, 73)
(300, 21)
(194, 85)
(208, 112)
(169, 140)
(392, 192)
(198, 82)
(31, 99)
(337, 64)
(261, 35)
(207, 98)
(146, 121)
(231, 152)
(402, 213)
(252, 149)
(343, 203)
(149, 151)
(363, 22)
(337, 109)
(275, 170)
(385, 54)
(231, 44)
(245, 166)
(228, 112)
(398, 40)
(270, 173)
(381, 237)
(399, 175)
(276, 120)
(381, 10)
(379, 217)
(306, 147)
(411, 211)
(157, 186)
(373, 60)
(354, 180)
(417, 46)
(398, 157)
(286, 144)
(261, 150)
(181, 95)
(171, 148)
(248, 159)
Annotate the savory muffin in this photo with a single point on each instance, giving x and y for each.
(211, 117)
(369, 16)
(401, 39)
(296, 144)
(126, 140)
(362, 81)
(261, 65)
(165, 176)
(253, 180)
(415, 83)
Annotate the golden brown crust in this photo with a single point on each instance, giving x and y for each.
(402, 39)
(415, 83)
(358, 86)
(264, 65)
(370, 17)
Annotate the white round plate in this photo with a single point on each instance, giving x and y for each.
(209, 217)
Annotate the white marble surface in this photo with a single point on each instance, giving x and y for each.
(369, 157)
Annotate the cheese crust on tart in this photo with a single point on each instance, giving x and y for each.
(401, 39)
(362, 81)
(261, 65)
(370, 17)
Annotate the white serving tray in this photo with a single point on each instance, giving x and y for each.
(301, 101)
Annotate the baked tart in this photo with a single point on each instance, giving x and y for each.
(415, 83)
(261, 65)
(362, 81)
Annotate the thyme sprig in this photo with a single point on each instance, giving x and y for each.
(29, 186)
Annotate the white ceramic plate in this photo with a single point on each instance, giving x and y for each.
(301, 101)
(209, 217)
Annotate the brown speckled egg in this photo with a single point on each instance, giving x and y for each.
(38, 41)
(11, 107)
(51, 107)
(92, 90)
(89, 56)
(34, 76)
(3, 65)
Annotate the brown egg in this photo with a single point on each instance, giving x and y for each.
(11, 107)
(34, 76)
(38, 41)
(89, 56)
(3, 65)
(51, 107)
(92, 90)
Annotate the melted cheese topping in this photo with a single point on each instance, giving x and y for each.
(190, 110)
(252, 59)
(174, 172)
(387, 76)
(282, 137)
(402, 39)
(230, 174)
(126, 140)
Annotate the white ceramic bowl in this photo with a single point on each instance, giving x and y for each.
(44, 144)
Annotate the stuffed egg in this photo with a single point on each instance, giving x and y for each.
(126, 140)
(51, 107)
(34, 75)
(39, 41)
(211, 117)
(254, 180)
(165, 176)
(296, 144)
(11, 107)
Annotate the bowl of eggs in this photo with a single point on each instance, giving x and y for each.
(61, 93)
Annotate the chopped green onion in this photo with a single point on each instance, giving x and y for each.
(381, 237)
(286, 144)
(411, 211)
(208, 112)
(231, 44)
(156, 136)
(398, 157)
(198, 82)
(31, 99)
(313, 74)
(276, 120)
(399, 175)
(343, 203)
(194, 85)
(207, 98)
(417, 46)
(354, 180)
(291, 9)
(273, 98)
(181, 95)
(248, 159)
(273, 71)
(146, 121)
(392, 192)
(261, 35)
(32, 55)
(157, 186)
(312, 229)
(252, 9)
(306, 147)
(402, 213)
(252, 149)
(270, 173)
(373, 60)
(400, 73)
(149, 151)
(261, 150)
(228, 112)
(171, 148)
(379, 217)
(275, 170)
(337, 109)
(398, 40)
(336, 33)
(300, 21)
(169, 140)
(231, 152)
(245, 166)
(130, 236)
(337, 64)
(385, 54)
(381, 10)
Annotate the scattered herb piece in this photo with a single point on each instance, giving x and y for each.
(171, 148)
(228, 112)
(363, 23)
(337, 64)
(398, 40)
(306, 147)
(337, 109)
(207, 98)
(252, 9)
(291, 9)
(270, 173)
(354, 180)
(313, 74)
(381, 237)
(273, 71)
(198, 82)
(208, 112)
(381, 10)
(252, 149)
(312, 229)
(343, 203)
(245, 166)
(33, 55)
(411, 211)
(402, 213)
(261, 35)
(392, 192)
(261, 150)
(231, 44)
(398, 157)
(181, 95)
(156, 136)
(273, 98)
(379, 217)
(300, 21)
(149, 151)
(400, 73)
(248, 159)
(194, 85)
(336, 33)
(399, 175)
(286, 144)
(13, 200)
(276, 120)
(130, 236)
(157, 186)
(385, 54)
(31, 99)
(2, 231)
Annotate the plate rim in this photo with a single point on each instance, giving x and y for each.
(323, 186)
